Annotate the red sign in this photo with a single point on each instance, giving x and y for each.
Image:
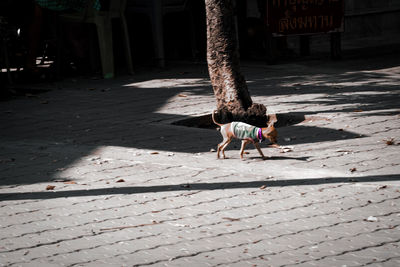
(285, 17)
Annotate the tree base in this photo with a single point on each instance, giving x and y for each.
(255, 115)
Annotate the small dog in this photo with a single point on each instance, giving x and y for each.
(245, 132)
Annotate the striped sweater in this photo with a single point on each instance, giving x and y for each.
(243, 130)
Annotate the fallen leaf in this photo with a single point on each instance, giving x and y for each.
(353, 169)
(182, 95)
(382, 187)
(389, 142)
(121, 181)
(69, 182)
(263, 187)
(154, 153)
(358, 110)
(50, 187)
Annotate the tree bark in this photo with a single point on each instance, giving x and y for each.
(233, 99)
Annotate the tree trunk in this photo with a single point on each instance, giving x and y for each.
(233, 99)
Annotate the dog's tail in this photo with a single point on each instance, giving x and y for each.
(213, 119)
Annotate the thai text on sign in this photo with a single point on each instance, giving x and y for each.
(286, 17)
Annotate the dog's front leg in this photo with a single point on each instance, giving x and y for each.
(259, 149)
(244, 144)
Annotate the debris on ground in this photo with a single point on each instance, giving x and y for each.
(371, 219)
(390, 141)
(286, 149)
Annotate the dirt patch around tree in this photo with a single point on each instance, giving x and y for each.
(279, 120)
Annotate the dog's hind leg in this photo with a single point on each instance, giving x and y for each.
(222, 146)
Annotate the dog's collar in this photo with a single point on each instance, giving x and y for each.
(260, 136)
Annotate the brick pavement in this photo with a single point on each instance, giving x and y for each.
(131, 189)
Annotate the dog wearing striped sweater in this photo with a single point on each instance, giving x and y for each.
(245, 132)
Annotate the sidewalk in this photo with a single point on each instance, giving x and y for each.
(94, 173)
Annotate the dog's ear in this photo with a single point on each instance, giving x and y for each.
(272, 119)
(271, 126)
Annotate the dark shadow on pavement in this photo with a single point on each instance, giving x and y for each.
(128, 190)
(278, 158)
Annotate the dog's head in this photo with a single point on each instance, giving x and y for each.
(270, 133)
